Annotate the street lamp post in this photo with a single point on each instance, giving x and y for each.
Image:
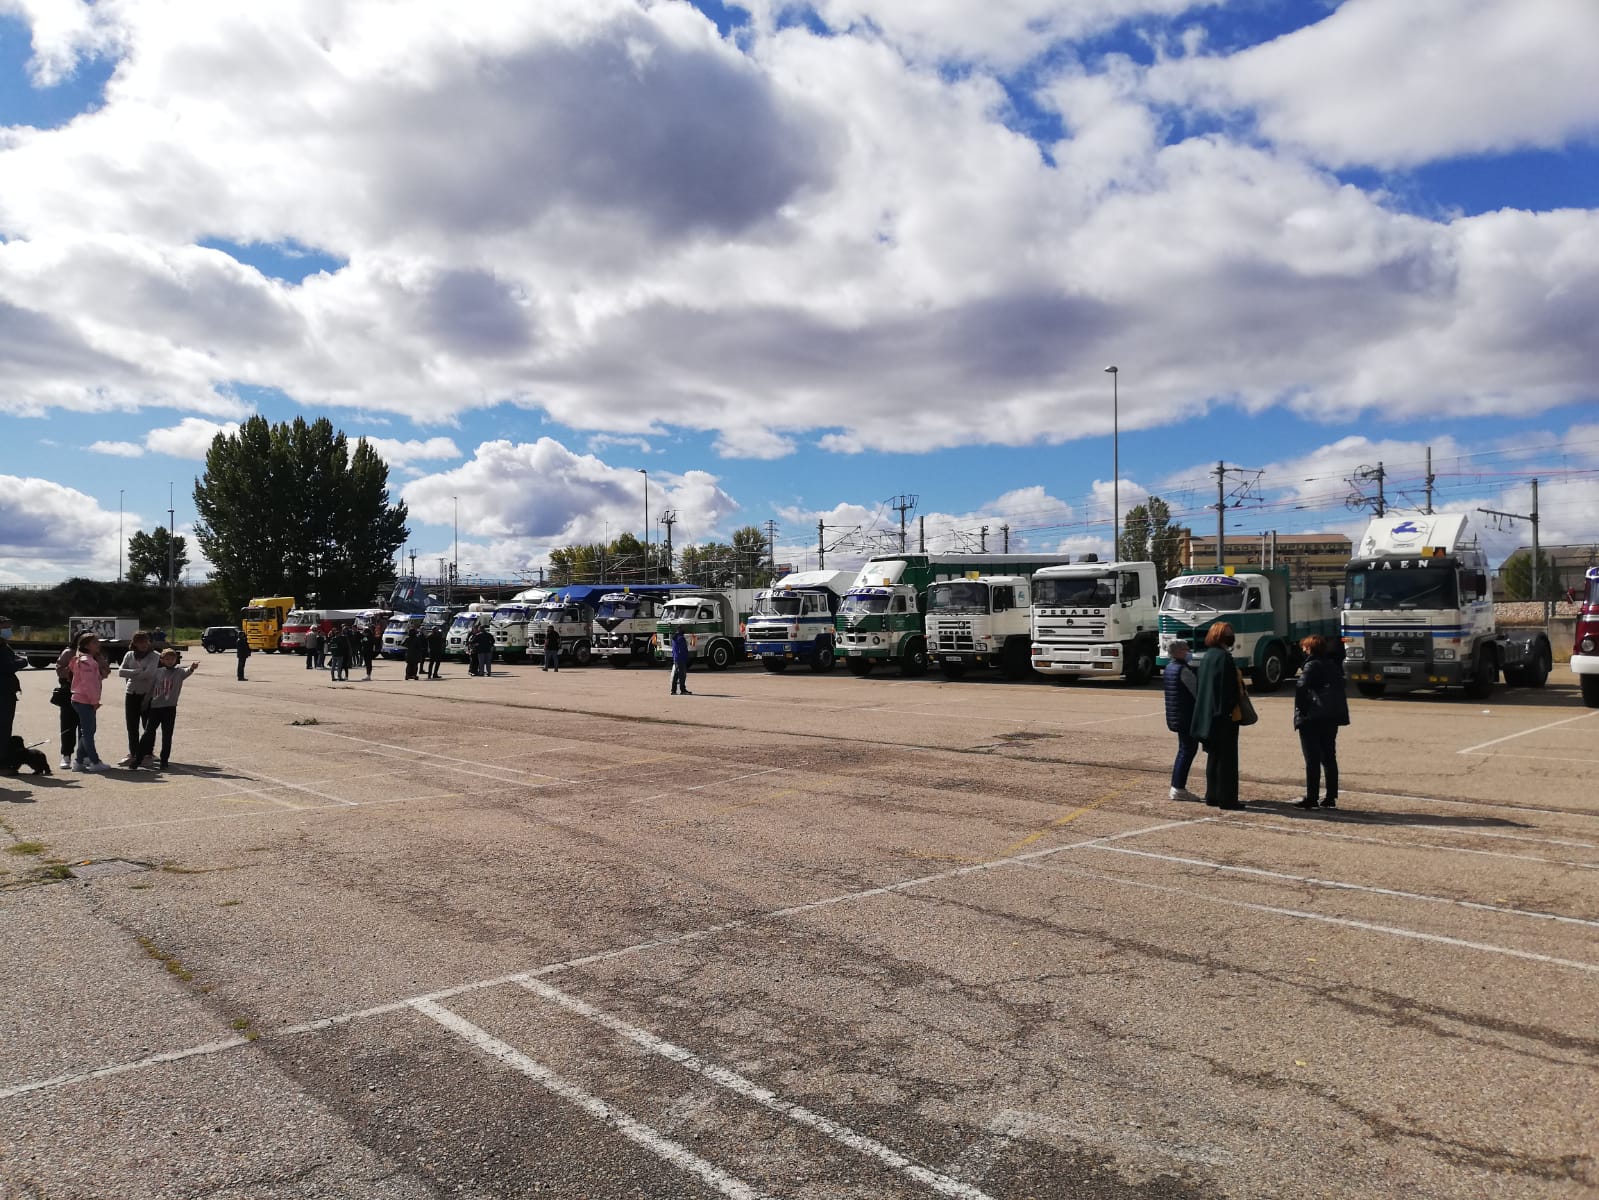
(121, 539)
(455, 555)
(1115, 464)
(647, 563)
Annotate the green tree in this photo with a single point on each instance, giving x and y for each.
(1149, 536)
(290, 509)
(751, 557)
(707, 565)
(148, 556)
(1515, 574)
(624, 560)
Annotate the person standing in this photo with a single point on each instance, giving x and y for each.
(338, 655)
(552, 648)
(681, 658)
(10, 685)
(163, 711)
(435, 651)
(138, 667)
(1182, 689)
(69, 715)
(313, 649)
(89, 671)
(483, 641)
(413, 651)
(369, 651)
(1320, 709)
(242, 652)
(1216, 717)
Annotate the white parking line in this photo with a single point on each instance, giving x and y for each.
(1525, 732)
(372, 747)
(284, 783)
(1341, 885)
(1323, 918)
(709, 783)
(943, 1184)
(633, 1130)
(1377, 841)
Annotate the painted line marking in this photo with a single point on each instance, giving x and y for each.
(151, 1060)
(732, 1081)
(584, 960)
(1355, 837)
(709, 783)
(239, 816)
(1525, 732)
(633, 1130)
(1477, 905)
(369, 745)
(1066, 820)
(284, 783)
(1300, 914)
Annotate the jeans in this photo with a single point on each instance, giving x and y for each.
(552, 659)
(1187, 748)
(1318, 742)
(162, 719)
(1221, 763)
(485, 664)
(87, 720)
(679, 678)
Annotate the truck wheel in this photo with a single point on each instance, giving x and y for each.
(913, 663)
(775, 665)
(1268, 677)
(1590, 690)
(952, 670)
(1015, 660)
(1370, 690)
(1536, 673)
(859, 666)
(1483, 675)
(718, 656)
(1138, 665)
(582, 654)
(822, 660)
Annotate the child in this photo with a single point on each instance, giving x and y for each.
(89, 669)
(163, 711)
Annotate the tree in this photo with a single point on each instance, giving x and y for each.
(707, 565)
(751, 557)
(148, 556)
(624, 560)
(1515, 574)
(289, 509)
(1149, 536)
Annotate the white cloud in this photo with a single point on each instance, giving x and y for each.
(189, 438)
(119, 449)
(399, 453)
(49, 532)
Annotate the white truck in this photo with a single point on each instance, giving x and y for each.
(983, 621)
(793, 620)
(1269, 618)
(1419, 613)
(625, 621)
(1096, 619)
(713, 623)
(465, 626)
(510, 621)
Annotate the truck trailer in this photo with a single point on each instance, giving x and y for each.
(712, 621)
(1269, 619)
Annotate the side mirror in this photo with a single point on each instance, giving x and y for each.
(1480, 582)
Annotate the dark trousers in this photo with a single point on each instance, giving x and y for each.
(320, 657)
(1187, 748)
(340, 671)
(8, 709)
(1221, 763)
(433, 667)
(679, 678)
(163, 719)
(552, 659)
(1318, 742)
(132, 710)
(411, 665)
(485, 665)
(241, 669)
(310, 660)
(69, 729)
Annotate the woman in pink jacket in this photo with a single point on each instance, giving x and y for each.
(89, 669)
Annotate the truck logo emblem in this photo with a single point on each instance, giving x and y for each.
(1070, 621)
(1406, 527)
(1397, 648)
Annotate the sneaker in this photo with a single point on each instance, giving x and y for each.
(1178, 793)
(66, 763)
(94, 766)
(125, 762)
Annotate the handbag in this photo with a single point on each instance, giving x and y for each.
(60, 695)
(1246, 708)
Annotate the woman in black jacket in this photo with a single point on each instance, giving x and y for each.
(1320, 708)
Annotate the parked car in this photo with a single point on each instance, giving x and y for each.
(217, 638)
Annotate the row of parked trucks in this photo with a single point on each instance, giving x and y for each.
(1417, 613)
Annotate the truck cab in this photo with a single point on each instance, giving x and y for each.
(464, 627)
(984, 621)
(625, 623)
(1269, 619)
(570, 612)
(710, 622)
(1096, 619)
(262, 621)
(394, 635)
(794, 620)
(883, 623)
(1585, 648)
(300, 623)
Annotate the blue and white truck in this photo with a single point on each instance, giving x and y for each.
(793, 620)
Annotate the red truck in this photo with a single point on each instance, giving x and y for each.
(1585, 647)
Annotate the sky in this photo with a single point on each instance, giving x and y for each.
(763, 260)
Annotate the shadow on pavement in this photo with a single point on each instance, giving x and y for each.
(1354, 816)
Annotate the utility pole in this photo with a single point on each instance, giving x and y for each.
(771, 547)
(821, 545)
(1533, 518)
(172, 568)
(1379, 505)
(413, 564)
(902, 505)
(921, 537)
(1430, 478)
(982, 539)
(1240, 492)
(668, 519)
(121, 537)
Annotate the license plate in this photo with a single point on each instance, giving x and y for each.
(852, 653)
(1397, 670)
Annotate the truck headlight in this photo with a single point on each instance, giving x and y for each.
(1443, 655)
(1587, 645)
(1355, 652)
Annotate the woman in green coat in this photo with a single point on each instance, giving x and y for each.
(1216, 715)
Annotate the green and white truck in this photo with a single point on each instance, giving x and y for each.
(510, 621)
(882, 619)
(1096, 620)
(713, 622)
(1268, 617)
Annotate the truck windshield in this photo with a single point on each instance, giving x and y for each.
(777, 606)
(465, 621)
(858, 605)
(1098, 591)
(253, 614)
(619, 609)
(963, 594)
(678, 615)
(511, 612)
(1400, 589)
(1206, 597)
(398, 627)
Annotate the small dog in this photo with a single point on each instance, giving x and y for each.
(18, 755)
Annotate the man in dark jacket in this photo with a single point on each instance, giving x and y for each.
(1215, 721)
(483, 652)
(1320, 709)
(242, 652)
(435, 651)
(413, 651)
(681, 658)
(10, 685)
(552, 648)
(1182, 689)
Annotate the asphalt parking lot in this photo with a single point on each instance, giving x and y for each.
(796, 936)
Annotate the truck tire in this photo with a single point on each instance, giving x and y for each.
(822, 660)
(1138, 664)
(1369, 689)
(1016, 659)
(583, 653)
(913, 662)
(1590, 690)
(775, 665)
(1484, 673)
(718, 655)
(952, 670)
(1535, 673)
(859, 666)
(1268, 677)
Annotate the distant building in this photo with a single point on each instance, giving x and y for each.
(1313, 559)
(1570, 563)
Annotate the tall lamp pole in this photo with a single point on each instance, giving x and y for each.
(455, 555)
(1116, 464)
(172, 569)
(647, 562)
(121, 539)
